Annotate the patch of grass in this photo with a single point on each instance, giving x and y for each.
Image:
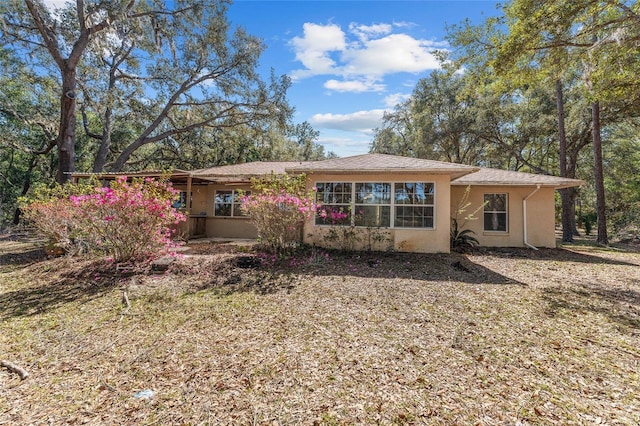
(492, 337)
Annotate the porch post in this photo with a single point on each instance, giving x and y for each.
(188, 206)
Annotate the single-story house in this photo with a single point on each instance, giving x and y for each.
(384, 202)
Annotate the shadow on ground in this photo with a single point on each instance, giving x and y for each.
(246, 271)
(224, 269)
(64, 281)
(620, 306)
(23, 258)
(557, 254)
(453, 267)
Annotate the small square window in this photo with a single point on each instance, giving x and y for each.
(227, 203)
(495, 212)
(181, 202)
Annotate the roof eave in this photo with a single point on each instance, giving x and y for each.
(521, 184)
(453, 172)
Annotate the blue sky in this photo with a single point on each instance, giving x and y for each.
(351, 60)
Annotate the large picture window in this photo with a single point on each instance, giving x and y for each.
(495, 212)
(227, 203)
(373, 204)
(414, 202)
(376, 204)
(335, 201)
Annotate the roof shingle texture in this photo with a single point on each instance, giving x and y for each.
(380, 163)
(256, 168)
(505, 177)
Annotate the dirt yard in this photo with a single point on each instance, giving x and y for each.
(488, 338)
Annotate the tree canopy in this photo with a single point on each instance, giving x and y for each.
(530, 90)
(114, 85)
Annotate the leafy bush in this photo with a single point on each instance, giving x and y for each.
(461, 239)
(588, 220)
(278, 207)
(127, 220)
(626, 224)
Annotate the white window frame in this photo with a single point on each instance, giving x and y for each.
(496, 212)
(347, 206)
(425, 205)
(235, 203)
(360, 206)
(353, 205)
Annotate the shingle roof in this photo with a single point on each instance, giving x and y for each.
(366, 163)
(144, 173)
(381, 163)
(510, 178)
(256, 168)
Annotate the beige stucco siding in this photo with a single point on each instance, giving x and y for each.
(227, 227)
(434, 240)
(199, 195)
(540, 215)
(230, 228)
(196, 215)
(215, 226)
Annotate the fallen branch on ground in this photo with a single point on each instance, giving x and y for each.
(15, 369)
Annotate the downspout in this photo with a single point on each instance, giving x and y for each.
(524, 217)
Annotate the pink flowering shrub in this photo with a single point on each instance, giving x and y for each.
(126, 221)
(278, 207)
(333, 215)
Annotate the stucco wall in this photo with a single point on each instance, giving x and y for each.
(540, 216)
(434, 240)
(227, 227)
(203, 206)
(199, 198)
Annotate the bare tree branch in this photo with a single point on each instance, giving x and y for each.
(47, 34)
(85, 123)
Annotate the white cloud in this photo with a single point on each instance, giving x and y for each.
(396, 98)
(344, 146)
(314, 48)
(342, 142)
(364, 32)
(361, 121)
(55, 7)
(391, 54)
(404, 24)
(354, 86)
(370, 53)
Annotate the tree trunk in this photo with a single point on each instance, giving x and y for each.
(126, 153)
(105, 143)
(25, 187)
(107, 126)
(67, 133)
(567, 196)
(599, 176)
